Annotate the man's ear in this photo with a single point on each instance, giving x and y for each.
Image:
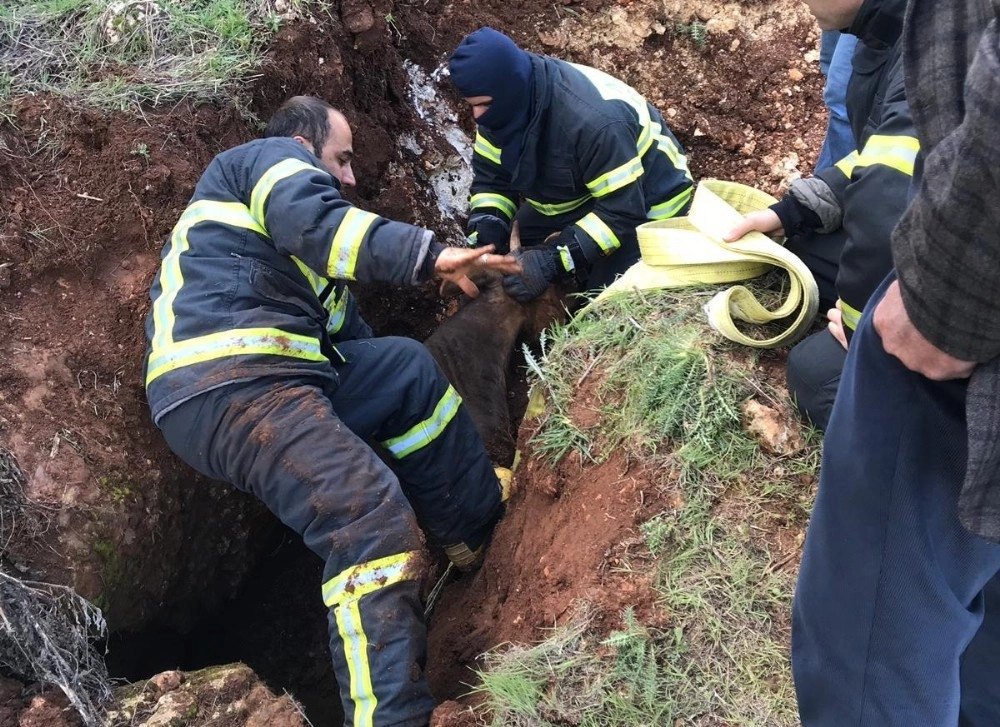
(305, 142)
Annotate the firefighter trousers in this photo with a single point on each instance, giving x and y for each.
(307, 449)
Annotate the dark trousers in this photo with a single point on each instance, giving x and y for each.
(890, 589)
(813, 374)
(304, 448)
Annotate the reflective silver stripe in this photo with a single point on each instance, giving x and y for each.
(896, 152)
(557, 208)
(600, 233)
(566, 258)
(850, 315)
(347, 243)
(847, 164)
(486, 150)
(262, 190)
(238, 342)
(491, 199)
(616, 178)
(425, 432)
(671, 207)
(232, 214)
(360, 580)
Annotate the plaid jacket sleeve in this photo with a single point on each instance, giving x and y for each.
(947, 245)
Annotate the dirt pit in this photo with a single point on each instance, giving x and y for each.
(191, 574)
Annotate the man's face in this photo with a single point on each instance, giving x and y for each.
(338, 151)
(834, 14)
(480, 105)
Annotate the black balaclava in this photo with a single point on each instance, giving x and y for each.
(488, 63)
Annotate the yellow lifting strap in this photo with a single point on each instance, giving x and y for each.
(684, 251)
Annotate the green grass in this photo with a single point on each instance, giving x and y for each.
(670, 392)
(131, 53)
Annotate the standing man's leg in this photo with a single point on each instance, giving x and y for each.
(981, 666)
(839, 141)
(889, 591)
(281, 440)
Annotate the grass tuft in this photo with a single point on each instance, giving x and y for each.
(671, 392)
(132, 53)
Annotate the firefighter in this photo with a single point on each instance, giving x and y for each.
(260, 372)
(839, 221)
(590, 156)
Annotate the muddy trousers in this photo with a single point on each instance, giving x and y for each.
(890, 590)
(303, 448)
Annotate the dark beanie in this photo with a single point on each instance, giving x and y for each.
(488, 63)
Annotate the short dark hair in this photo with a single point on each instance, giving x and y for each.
(305, 116)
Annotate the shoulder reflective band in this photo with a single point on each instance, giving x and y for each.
(600, 233)
(556, 208)
(262, 190)
(491, 199)
(238, 342)
(486, 150)
(425, 432)
(202, 212)
(347, 242)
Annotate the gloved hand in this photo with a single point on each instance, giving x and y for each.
(540, 266)
(487, 229)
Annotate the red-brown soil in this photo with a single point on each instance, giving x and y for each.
(87, 198)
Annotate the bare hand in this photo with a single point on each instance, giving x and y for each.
(900, 338)
(454, 265)
(836, 325)
(765, 221)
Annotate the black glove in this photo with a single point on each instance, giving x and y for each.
(540, 267)
(487, 229)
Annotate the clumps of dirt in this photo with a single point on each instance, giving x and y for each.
(225, 696)
(570, 536)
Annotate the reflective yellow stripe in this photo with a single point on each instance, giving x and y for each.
(566, 258)
(352, 633)
(671, 207)
(847, 164)
(336, 306)
(557, 208)
(203, 211)
(673, 152)
(485, 149)
(616, 178)
(364, 578)
(490, 199)
(262, 190)
(646, 137)
(316, 282)
(343, 594)
(347, 242)
(850, 315)
(600, 232)
(238, 342)
(425, 432)
(896, 152)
